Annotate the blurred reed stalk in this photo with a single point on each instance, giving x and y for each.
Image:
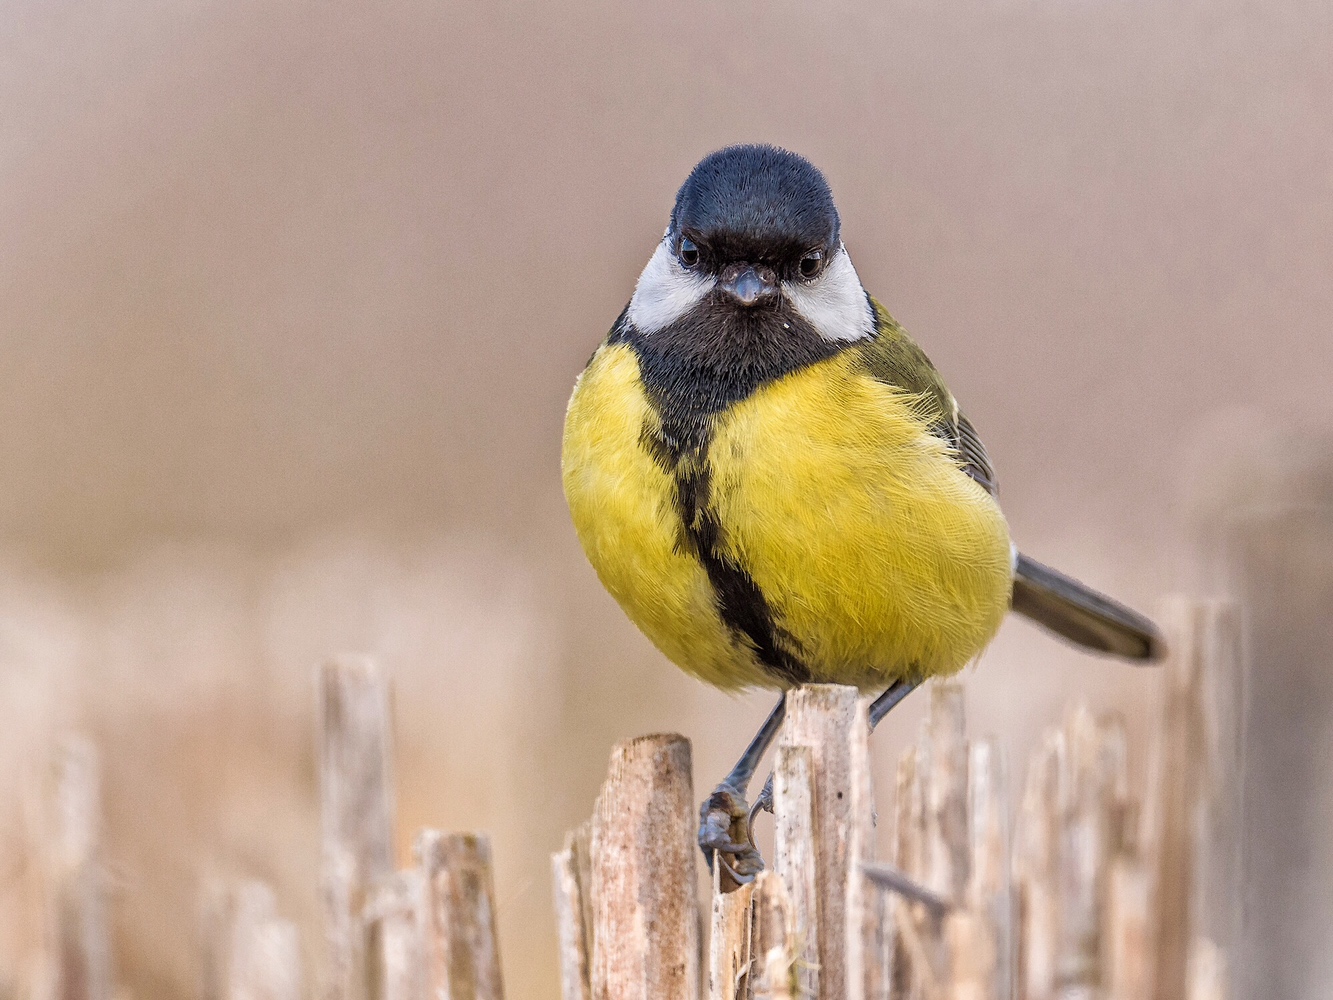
(427, 931)
(76, 963)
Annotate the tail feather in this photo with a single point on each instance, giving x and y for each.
(1082, 615)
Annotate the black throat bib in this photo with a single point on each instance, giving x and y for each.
(716, 356)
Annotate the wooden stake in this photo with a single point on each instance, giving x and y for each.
(1126, 938)
(249, 952)
(266, 960)
(868, 908)
(1119, 805)
(970, 942)
(216, 911)
(570, 902)
(80, 949)
(909, 856)
(989, 891)
(395, 923)
(1220, 717)
(356, 804)
(794, 858)
(774, 940)
(729, 942)
(939, 847)
(1081, 847)
(947, 851)
(821, 716)
(462, 953)
(225, 907)
(1208, 978)
(1198, 768)
(1035, 870)
(645, 912)
(580, 844)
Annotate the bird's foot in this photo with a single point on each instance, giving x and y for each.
(724, 835)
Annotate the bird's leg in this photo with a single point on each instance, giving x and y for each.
(889, 700)
(879, 708)
(724, 817)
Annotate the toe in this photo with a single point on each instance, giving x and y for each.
(724, 835)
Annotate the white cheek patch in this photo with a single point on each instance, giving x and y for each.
(835, 304)
(666, 291)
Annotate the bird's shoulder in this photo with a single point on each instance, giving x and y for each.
(893, 357)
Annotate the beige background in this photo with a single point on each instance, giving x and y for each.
(291, 300)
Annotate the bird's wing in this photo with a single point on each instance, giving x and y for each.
(1063, 605)
(894, 358)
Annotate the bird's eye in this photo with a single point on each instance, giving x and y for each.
(689, 253)
(812, 263)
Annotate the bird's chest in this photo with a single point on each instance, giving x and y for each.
(813, 529)
(824, 458)
(819, 449)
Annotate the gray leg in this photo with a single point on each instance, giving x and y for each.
(888, 701)
(879, 708)
(724, 827)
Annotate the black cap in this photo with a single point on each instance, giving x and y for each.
(756, 202)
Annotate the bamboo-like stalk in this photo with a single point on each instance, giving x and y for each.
(869, 920)
(1127, 945)
(579, 842)
(395, 924)
(225, 907)
(774, 975)
(1036, 873)
(989, 892)
(249, 952)
(908, 855)
(794, 858)
(461, 943)
(357, 809)
(575, 948)
(266, 960)
(729, 942)
(645, 912)
(969, 940)
(1181, 790)
(1081, 855)
(1208, 975)
(1195, 799)
(821, 716)
(946, 847)
(79, 951)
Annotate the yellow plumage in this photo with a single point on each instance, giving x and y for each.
(879, 557)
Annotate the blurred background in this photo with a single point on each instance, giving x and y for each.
(292, 297)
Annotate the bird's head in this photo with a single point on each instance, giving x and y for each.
(754, 232)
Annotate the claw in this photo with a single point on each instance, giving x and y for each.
(724, 834)
(736, 876)
(765, 801)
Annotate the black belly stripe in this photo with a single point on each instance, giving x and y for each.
(743, 607)
(740, 602)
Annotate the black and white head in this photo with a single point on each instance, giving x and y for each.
(754, 244)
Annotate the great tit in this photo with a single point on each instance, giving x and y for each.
(775, 483)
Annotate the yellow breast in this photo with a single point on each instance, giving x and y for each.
(877, 556)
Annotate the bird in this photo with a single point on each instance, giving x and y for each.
(776, 484)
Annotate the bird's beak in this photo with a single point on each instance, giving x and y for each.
(749, 284)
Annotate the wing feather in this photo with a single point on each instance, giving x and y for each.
(895, 359)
